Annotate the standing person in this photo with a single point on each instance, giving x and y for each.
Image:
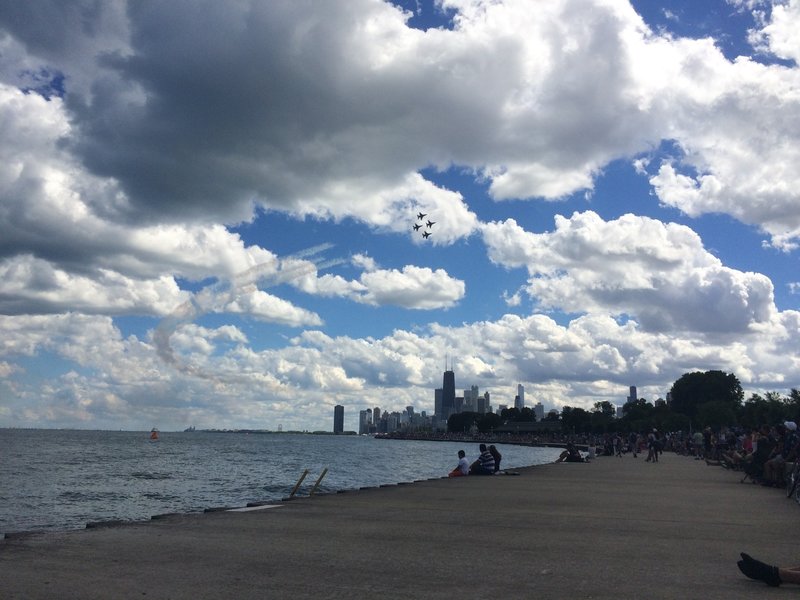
(485, 463)
(707, 443)
(462, 468)
(497, 456)
(652, 447)
(618, 445)
(697, 443)
(633, 442)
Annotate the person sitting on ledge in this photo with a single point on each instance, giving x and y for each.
(485, 463)
(497, 457)
(769, 574)
(462, 468)
(571, 454)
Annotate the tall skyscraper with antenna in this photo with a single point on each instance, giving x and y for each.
(448, 391)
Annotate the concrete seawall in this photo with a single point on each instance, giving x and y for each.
(614, 528)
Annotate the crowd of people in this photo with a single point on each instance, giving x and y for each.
(765, 455)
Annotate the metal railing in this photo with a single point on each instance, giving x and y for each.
(302, 478)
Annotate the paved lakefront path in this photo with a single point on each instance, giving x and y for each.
(613, 528)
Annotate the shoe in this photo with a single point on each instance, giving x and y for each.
(755, 569)
(745, 568)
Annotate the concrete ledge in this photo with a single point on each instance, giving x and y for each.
(166, 516)
(109, 523)
(254, 508)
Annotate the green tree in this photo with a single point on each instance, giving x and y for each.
(793, 402)
(462, 422)
(552, 415)
(695, 389)
(637, 415)
(605, 408)
(527, 415)
(575, 420)
(715, 413)
(603, 417)
(758, 410)
(489, 422)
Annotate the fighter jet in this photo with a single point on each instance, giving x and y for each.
(425, 234)
(421, 216)
(430, 223)
(417, 226)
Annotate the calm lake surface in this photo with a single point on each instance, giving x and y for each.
(62, 479)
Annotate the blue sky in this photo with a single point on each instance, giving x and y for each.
(206, 210)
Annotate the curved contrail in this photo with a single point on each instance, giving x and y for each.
(261, 276)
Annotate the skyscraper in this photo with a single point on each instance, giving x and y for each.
(364, 421)
(448, 394)
(520, 396)
(437, 404)
(338, 419)
(633, 396)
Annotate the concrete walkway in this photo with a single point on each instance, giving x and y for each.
(615, 528)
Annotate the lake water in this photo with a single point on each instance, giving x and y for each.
(57, 479)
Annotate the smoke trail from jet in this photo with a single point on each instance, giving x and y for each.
(265, 275)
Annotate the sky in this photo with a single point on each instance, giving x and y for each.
(207, 208)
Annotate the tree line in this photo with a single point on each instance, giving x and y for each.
(697, 400)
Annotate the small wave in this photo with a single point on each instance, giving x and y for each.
(77, 496)
(161, 497)
(148, 475)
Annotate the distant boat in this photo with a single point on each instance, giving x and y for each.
(154, 434)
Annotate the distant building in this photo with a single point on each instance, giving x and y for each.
(338, 419)
(471, 399)
(448, 394)
(483, 405)
(519, 400)
(632, 397)
(437, 403)
(364, 421)
(538, 411)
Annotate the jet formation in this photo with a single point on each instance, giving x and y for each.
(426, 233)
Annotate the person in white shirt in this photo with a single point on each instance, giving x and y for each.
(463, 465)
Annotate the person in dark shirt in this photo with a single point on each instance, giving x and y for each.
(497, 457)
(485, 463)
(571, 454)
